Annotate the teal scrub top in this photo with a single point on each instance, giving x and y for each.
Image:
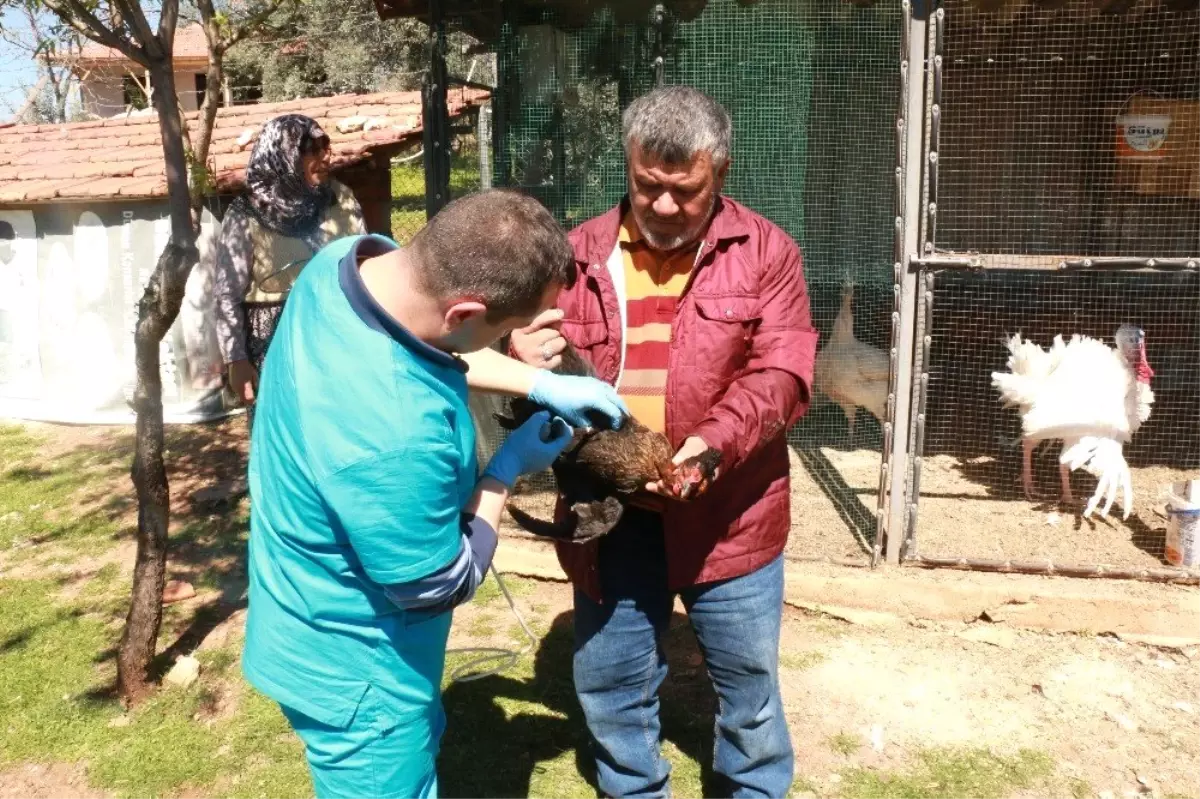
(361, 461)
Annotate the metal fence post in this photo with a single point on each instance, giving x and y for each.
(916, 34)
(435, 128)
(484, 139)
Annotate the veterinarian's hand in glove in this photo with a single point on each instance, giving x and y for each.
(582, 401)
(695, 468)
(525, 451)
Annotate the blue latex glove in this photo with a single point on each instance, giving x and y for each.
(571, 395)
(532, 447)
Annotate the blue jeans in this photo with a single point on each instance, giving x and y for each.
(619, 664)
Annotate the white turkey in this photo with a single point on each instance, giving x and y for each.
(1089, 396)
(850, 372)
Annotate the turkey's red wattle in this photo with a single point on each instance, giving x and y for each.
(1143, 370)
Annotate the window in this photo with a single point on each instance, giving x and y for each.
(135, 95)
(201, 88)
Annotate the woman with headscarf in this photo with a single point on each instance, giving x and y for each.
(291, 209)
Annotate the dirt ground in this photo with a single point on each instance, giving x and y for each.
(975, 508)
(1107, 712)
(1117, 719)
(55, 781)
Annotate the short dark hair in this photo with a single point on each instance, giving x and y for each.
(499, 247)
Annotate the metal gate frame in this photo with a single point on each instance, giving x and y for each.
(917, 263)
(895, 506)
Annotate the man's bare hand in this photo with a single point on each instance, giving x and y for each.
(696, 465)
(243, 381)
(541, 343)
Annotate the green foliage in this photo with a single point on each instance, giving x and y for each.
(323, 47)
(200, 177)
(408, 190)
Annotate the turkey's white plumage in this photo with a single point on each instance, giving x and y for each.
(1091, 391)
(1086, 394)
(850, 372)
(1103, 458)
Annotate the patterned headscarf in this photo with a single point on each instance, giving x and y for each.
(277, 193)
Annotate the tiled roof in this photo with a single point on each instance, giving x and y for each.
(122, 157)
(190, 44)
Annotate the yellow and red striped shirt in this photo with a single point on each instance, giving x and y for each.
(654, 282)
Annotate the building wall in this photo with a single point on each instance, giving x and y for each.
(70, 281)
(103, 92)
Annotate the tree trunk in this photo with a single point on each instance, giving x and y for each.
(157, 311)
(207, 117)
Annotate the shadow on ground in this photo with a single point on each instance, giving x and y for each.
(494, 745)
(70, 510)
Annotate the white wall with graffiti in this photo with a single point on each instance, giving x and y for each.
(70, 280)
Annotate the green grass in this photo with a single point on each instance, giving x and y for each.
(845, 743)
(489, 594)
(57, 669)
(408, 191)
(950, 773)
(61, 502)
(57, 655)
(799, 661)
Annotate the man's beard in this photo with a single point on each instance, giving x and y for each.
(683, 239)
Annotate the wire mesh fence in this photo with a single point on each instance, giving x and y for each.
(813, 89)
(408, 180)
(1065, 160)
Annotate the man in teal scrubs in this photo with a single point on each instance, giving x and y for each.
(369, 519)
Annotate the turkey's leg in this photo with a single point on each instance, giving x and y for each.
(1064, 474)
(851, 411)
(1027, 446)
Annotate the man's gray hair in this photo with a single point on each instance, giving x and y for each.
(675, 123)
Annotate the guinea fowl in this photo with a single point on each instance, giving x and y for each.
(601, 469)
(1089, 396)
(851, 373)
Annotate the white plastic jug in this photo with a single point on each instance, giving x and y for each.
(1183, 525)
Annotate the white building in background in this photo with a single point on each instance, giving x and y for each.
(84, 217)
(111, 85)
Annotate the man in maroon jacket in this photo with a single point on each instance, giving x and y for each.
(695, 308)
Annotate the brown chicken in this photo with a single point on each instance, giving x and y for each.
(602, 469)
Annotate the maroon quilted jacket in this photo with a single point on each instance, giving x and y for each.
(739, 374)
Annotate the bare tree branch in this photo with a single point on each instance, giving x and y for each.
(31, 98)
(84, 22)
(132, 13)
(54, 49)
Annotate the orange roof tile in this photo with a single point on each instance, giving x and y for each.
(123, 157)
(190, 44)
